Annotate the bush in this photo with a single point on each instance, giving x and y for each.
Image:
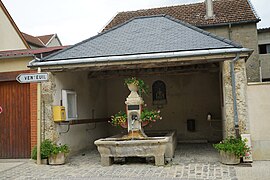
(233, 145)
(48, 148)
(45, 150)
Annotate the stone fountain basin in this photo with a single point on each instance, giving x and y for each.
(117, 147)
(151, 147)
(171, 145)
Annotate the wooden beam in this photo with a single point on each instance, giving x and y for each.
(84, 121)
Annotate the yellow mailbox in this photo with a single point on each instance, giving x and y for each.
(59, 113)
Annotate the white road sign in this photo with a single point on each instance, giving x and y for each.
(32, 77)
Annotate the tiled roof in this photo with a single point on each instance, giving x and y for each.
(264, 30)
(144, 35)
(46, 38)
(25, 52)
(226, 11)
(33, 40)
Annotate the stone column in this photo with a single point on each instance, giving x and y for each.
(48, 127)
(241, 96)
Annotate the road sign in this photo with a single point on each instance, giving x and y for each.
(32, 77)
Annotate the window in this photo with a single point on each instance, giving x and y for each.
(264, 48)
(159, 93)
(69, 99)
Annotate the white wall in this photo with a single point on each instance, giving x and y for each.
(91, 96)
(259, 117)
(54, 42)
(10, 39)
(189, 96)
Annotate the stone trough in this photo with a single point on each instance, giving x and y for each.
(157, 147)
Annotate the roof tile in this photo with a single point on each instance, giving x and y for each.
(144, 35)
(226, 11)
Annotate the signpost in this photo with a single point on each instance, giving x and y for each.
(35, 78)
(32, 77)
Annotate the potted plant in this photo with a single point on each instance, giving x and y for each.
(45, 151)
(58, 154)
(147, 116)
(231, 150)
(135, 84)
(119, 119)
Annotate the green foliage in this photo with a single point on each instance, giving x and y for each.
(47, 148)
(59, 149)
(146, 115)
(233, 145)
(118, 118)
(143, 88)
(150, 115)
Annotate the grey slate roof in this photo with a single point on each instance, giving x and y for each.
(144, 35)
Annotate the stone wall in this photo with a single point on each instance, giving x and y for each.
(246, 35)
(241, 86)
(48, 127)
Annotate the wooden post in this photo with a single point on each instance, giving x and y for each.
(38, 119)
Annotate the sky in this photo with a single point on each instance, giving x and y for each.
(74, 21)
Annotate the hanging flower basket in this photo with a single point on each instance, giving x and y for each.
(124, 125)
(145, 123)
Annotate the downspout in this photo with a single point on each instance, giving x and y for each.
(235, 111)
(230, 31)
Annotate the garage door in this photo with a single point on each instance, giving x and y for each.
(14, 120)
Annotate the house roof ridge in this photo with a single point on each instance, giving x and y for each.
(253, 9)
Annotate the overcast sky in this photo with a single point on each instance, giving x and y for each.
(75, 21)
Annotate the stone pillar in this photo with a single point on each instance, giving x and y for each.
(241, 96)
(48, 127)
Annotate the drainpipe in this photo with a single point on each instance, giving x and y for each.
(235, 111)
(230, 31)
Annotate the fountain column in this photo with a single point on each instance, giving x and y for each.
(133, 109)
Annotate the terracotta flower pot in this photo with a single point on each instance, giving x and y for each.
(124, 125)
(145, 123)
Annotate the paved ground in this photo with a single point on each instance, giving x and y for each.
(196, 161)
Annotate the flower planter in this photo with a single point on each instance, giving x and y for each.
(133, 87)
(228, 158)
(145, 123)
(124, 125)
(57, 159)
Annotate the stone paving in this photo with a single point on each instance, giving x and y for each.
(196, 161)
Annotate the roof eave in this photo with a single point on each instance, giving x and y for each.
(229, 23)
(131, 58)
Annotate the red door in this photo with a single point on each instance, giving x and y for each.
(15, 135)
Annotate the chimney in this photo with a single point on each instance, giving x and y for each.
(209, 9)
